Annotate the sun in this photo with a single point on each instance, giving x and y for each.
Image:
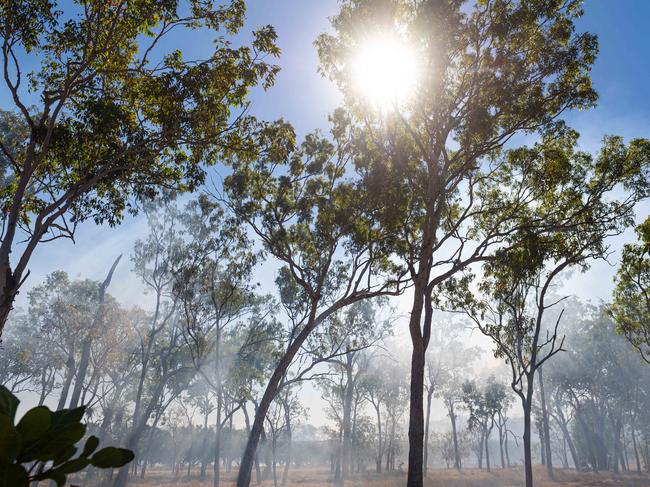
(384, 72)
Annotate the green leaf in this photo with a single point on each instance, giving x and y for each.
(72, 466)
(64, 454)
(8, 403)
(111, 457)
(57, 442)
(13, 476)
(35, 423)
(91, 445)
(68, 416)
(10, 440)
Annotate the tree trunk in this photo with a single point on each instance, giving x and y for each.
(426, 430)
(347, 421)
(138, 429)
(528, 459)
(500, 430)
(454, 435)
(416, 410)
(487, 448)
(547, 429)
(287, 464)
(246, 466)
(84, 361)
(69, 373)
(561, 421)
(636, 449)
(380, 453)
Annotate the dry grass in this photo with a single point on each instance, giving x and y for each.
(436, 478)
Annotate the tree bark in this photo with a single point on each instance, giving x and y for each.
(69, 373)
(246, 466)
(380, 453)
(426, 430)
(528, 459)
(547, 429)
(347, 419)
(416, 403)
(561, 421)
(454, 435)
(98, 322)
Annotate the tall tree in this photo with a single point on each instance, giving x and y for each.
(107, 114)
(301, 204)
(579, 207)
(486, 72)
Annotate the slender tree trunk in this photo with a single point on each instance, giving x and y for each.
(561, 421)
(416, 410)
(426, 430)
(454, 435)
(500, 430)
(244, 476)
(138, 429)
(527, 402)
(636, 449)
(487, 448)
(69, 374)
(216, 468)
(98, 322)
(542, 440)
(547, 429)
(287, 464)
(380, 452)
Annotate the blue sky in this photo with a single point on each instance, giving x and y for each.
(621, 75)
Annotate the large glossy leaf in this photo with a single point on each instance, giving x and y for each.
(68, 416)
(72, 466)
(91, 445)
(111, 457)
(35, 423)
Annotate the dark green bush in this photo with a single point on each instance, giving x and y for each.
(42, 445)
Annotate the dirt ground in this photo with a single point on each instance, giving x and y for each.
(436, 478)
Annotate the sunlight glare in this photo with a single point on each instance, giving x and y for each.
(384, 72)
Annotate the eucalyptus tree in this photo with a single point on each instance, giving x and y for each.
(346, 340)
(485, 71)
(483, 405)
(212, 285)
(631, 303)
(581, 211)
(455, 361)
(602, 401)
(103, 113)
(301, 204)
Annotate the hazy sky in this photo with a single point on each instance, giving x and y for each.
(621, 75)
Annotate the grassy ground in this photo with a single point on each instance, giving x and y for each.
(436, 478)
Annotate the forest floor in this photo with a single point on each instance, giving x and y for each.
(436, 478)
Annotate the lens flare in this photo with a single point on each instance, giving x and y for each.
(384, 72)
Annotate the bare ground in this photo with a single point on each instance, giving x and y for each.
(436, 478)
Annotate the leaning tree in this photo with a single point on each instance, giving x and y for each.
(102, 113)
(311, 216)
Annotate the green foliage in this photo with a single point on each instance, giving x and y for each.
(41, 445)
(120, 119)
(631, 304)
